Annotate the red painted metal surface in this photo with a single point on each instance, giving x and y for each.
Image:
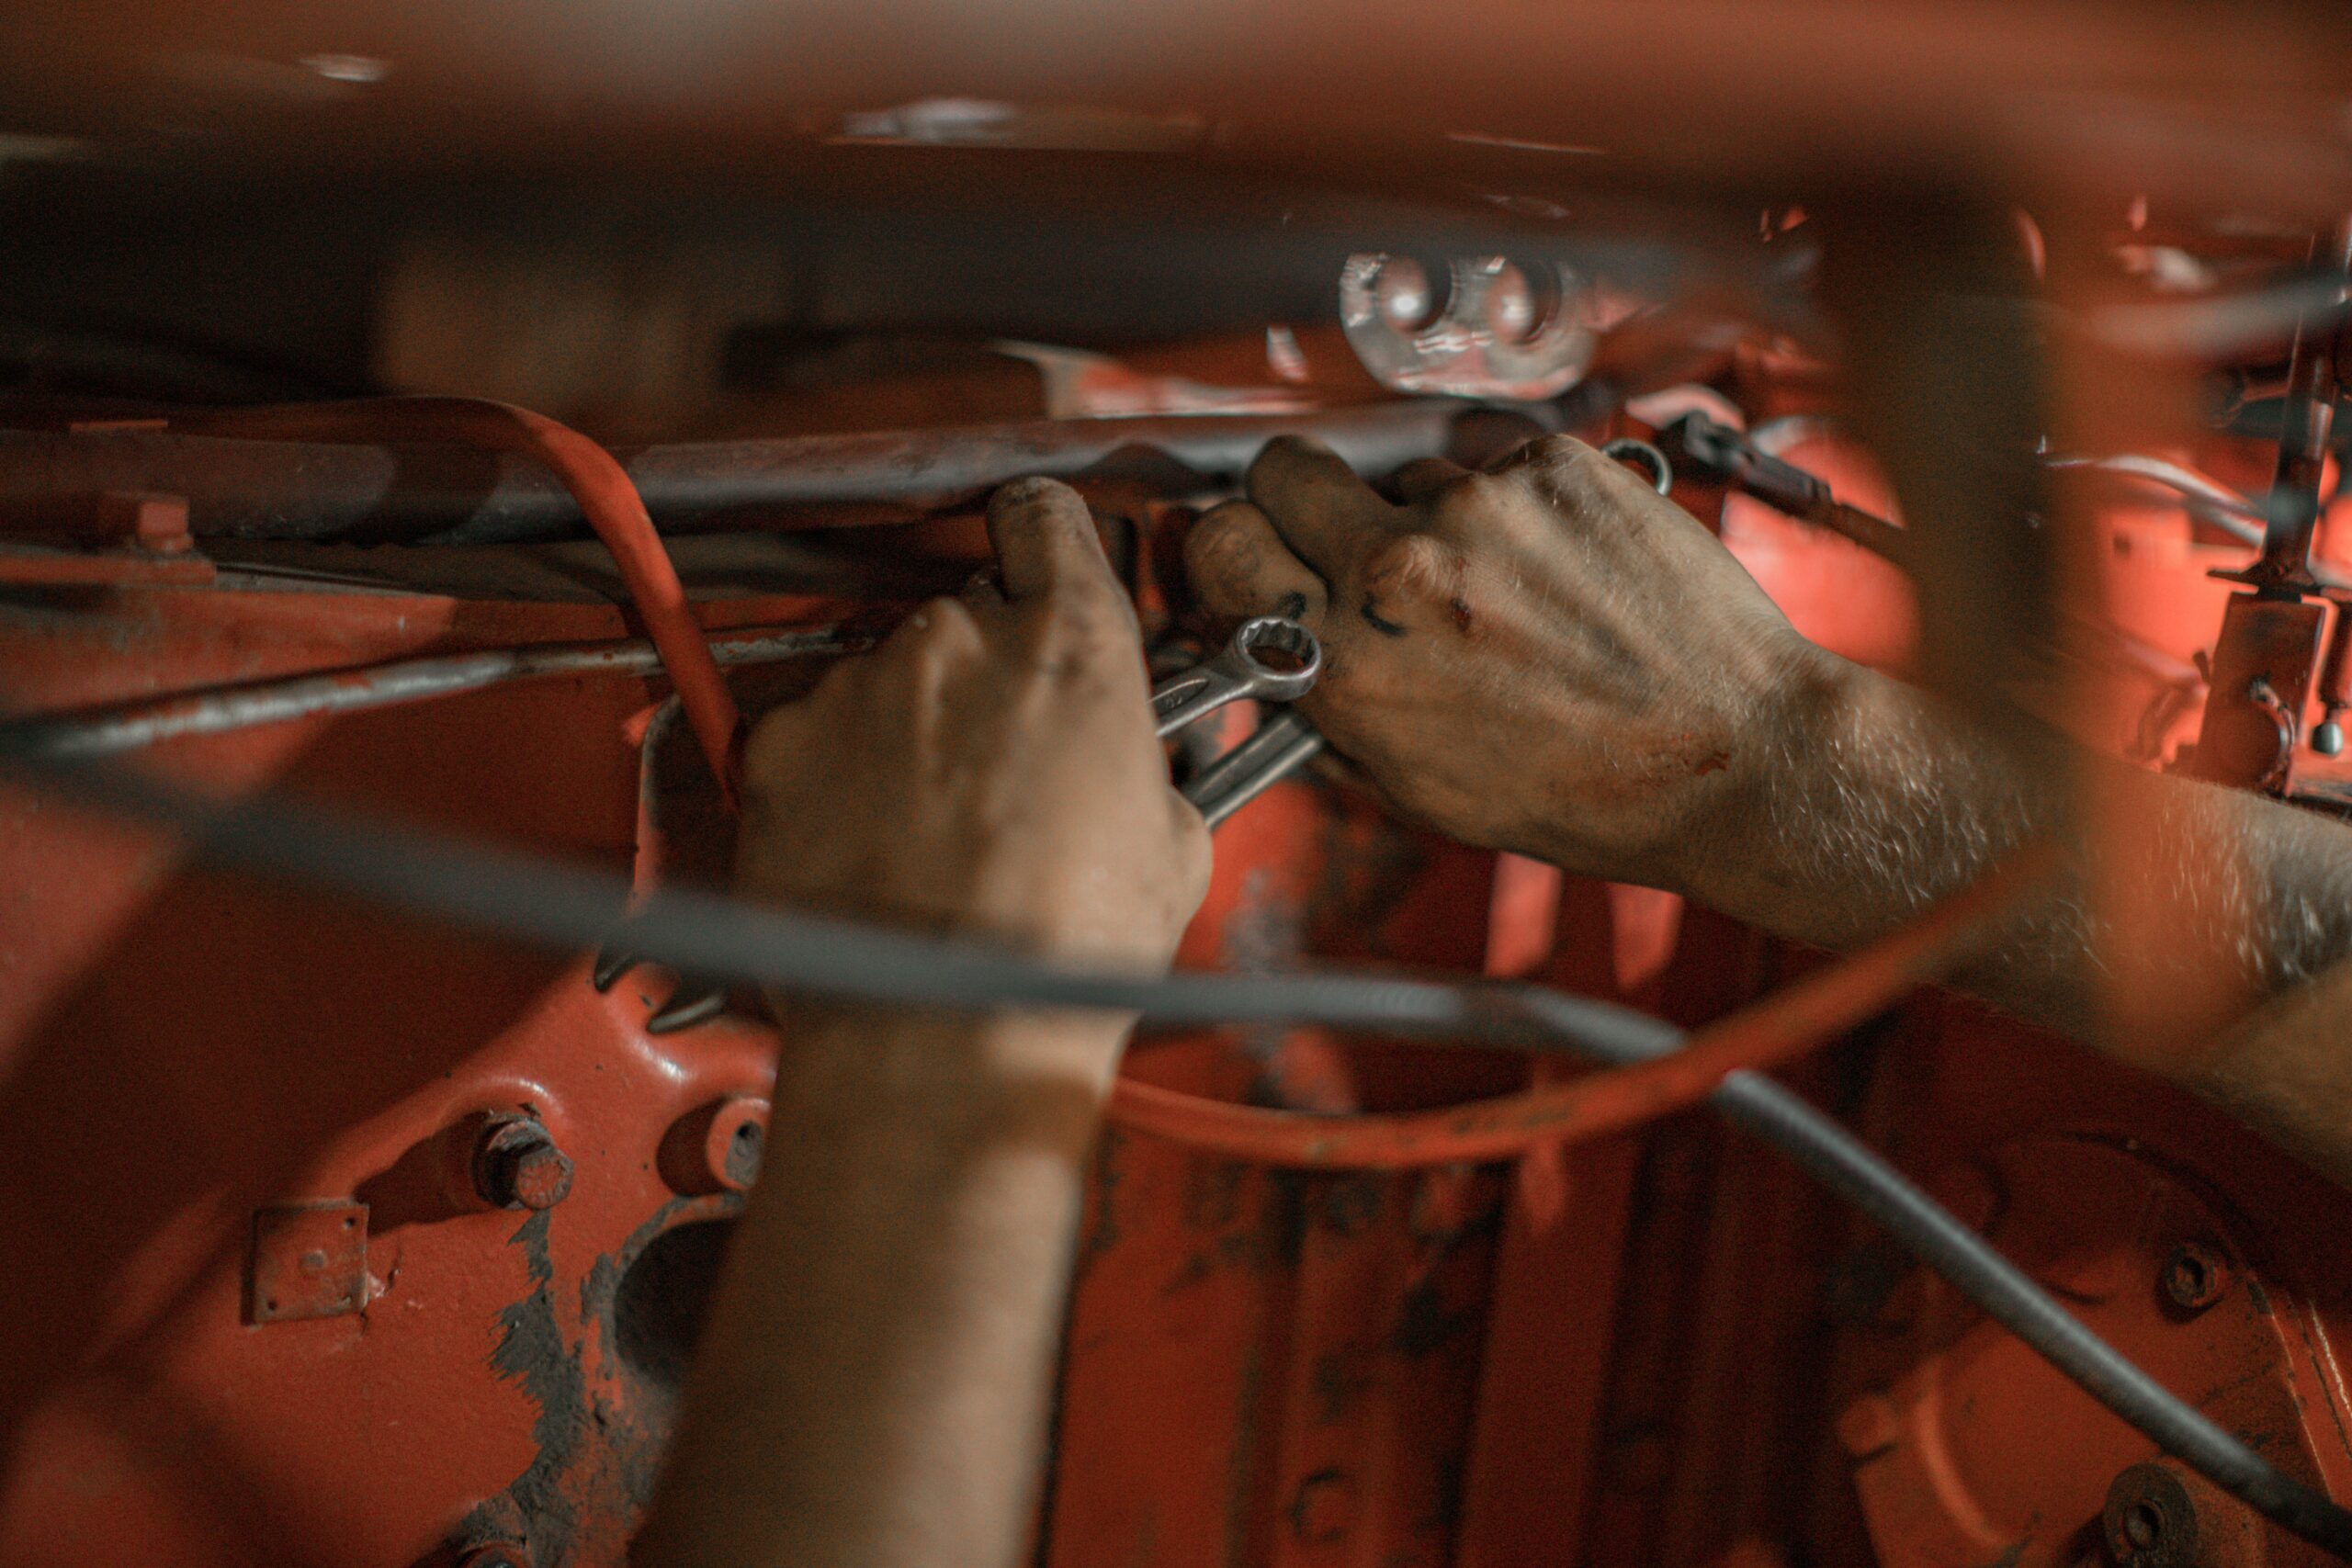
(1663, 1347)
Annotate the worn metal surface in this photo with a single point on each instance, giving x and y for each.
(1618, 1355)
(54, 481)
(2263, 662)
(2185, 1242)
(309, 1260)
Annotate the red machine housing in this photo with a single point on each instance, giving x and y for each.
(262, 1309)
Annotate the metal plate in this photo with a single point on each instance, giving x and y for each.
(309, 1260)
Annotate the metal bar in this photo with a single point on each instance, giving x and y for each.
(50, 481)
(2306, 419)
(216, 710)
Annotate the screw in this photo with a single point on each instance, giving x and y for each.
(740, 1167)
(2194, 1276)
(517, 1166)
(734, 1142)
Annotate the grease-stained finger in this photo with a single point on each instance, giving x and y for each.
(1324, 514)
(1046, 544)
(1239, 567)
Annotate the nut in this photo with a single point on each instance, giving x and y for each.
(517, 1165)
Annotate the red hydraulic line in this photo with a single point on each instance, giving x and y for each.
(1780, 1028)
(597, 482)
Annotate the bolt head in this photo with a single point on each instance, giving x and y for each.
(542, 1177)
(2327, 738)
(2194, 1276)
(518, 1166)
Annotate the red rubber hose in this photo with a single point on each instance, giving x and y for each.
(1777, 1030)
(597, 481)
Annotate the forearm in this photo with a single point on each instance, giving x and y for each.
(872, 1387)
(2183, 906)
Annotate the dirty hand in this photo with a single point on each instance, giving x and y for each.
(991, 768)
(1548, 658)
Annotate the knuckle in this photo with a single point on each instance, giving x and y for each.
(1559, 452)
(934, 634)
(1085, 618)
(1561, 466)
(1410, 564)
(1465, 501)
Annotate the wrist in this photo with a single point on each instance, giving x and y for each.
(967, 1079)
(1804, 707)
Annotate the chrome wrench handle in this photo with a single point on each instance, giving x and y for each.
(1280, 747)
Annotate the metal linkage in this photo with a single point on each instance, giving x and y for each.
(1716, 453)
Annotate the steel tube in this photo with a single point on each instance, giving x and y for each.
(218, 710)
(239, 487)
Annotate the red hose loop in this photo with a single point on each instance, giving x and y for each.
(606, 496)
(1772, 1031)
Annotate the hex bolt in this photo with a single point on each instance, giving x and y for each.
(2194, 1276)
(517, 1166)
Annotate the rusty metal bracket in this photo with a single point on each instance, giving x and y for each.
(309, 1260)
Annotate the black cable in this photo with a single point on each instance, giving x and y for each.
(1841, 1162)
(568, 907)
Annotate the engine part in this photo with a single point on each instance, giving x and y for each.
(1489, 331)
(768, 946)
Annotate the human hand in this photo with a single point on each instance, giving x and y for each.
(1548, 658)
(991, 768)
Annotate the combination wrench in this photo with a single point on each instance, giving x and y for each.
(1281, 744)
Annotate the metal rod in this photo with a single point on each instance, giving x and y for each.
(322, 490)
(215, 710)
(2306, 418)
